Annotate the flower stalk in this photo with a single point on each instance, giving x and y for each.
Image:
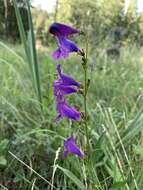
(65, 84)
(86, 85)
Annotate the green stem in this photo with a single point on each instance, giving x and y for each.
(85, 107)
(85, 96)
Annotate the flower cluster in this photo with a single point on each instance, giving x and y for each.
(65, 84)
(62, 86)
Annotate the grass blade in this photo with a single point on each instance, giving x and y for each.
(72, 177)
(30, 49)
(34, 54)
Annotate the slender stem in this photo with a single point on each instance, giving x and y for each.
(85, 107)
(85, 94)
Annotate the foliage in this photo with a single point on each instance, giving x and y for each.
(115, 100)
(1, 17)
(41, 21)
(8, 23)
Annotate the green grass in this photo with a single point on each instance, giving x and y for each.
(29, 139)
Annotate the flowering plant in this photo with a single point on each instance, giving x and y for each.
(65, 85)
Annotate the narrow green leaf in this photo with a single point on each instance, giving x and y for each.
(135, 127)
(34, 54)
(30, 49)
(72, 177)
(23, 36)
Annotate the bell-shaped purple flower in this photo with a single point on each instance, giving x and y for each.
(65, 46)
(70, 146)
(66, 79)
(64, 84)
(64, 110)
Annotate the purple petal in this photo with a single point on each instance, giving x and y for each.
(61, 89)
(57, 54)
(66, 79)
(67, 89)
(67, 46)
(65, 110)
(62, 29)
(70, 146)
(70, 112)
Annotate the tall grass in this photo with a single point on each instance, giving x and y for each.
(30, 49)
(115, 127)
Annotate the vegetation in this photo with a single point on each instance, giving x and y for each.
(8, 24)
(31, 143)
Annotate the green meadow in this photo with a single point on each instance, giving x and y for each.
(30, 136)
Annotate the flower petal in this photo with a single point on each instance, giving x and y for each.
(70, 112)
(67, 89)
(62, 29)
(57, 53)
(62, 89)
(66, 79)
(65, 110)
(70, 146)
(67, 45)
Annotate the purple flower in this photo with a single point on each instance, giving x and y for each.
(64, 84)
(64, 110)
(61, 32)
(66, 79)
(62, 89)
(70, 146)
